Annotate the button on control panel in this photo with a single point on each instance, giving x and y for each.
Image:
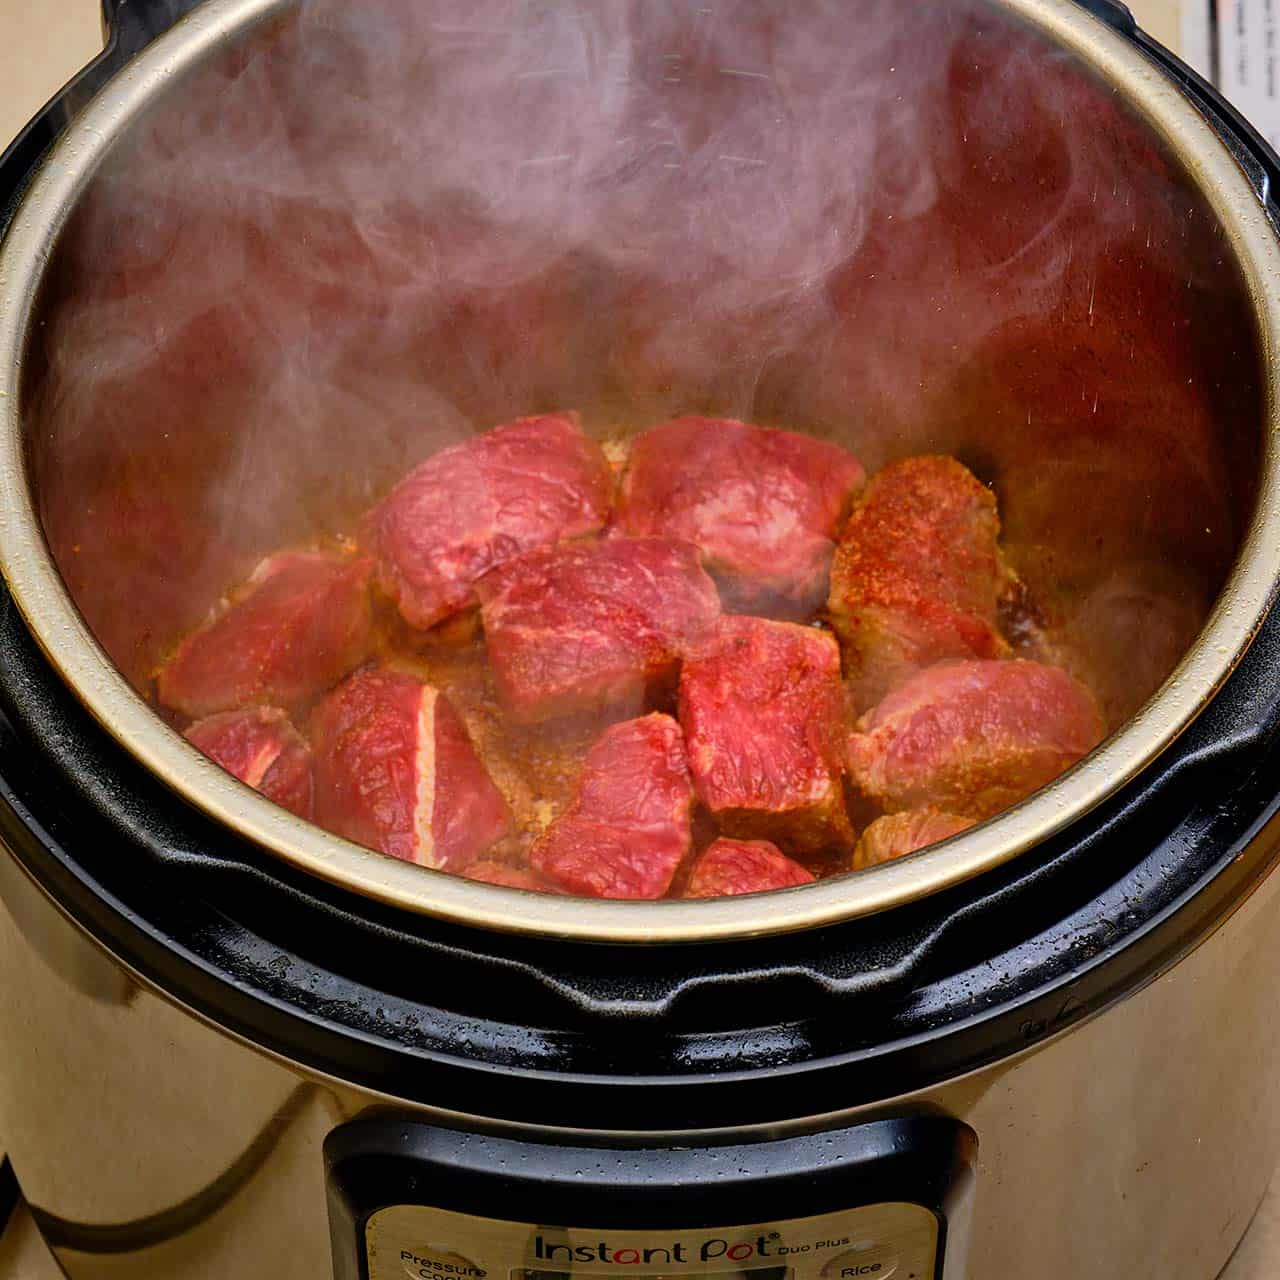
(869, 1259)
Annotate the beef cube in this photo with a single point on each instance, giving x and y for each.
(627, 830)
(761, 705)
(488, 871)
(396, 771)
(897, 834)
(261, 748)
(596, 860)
(589, 625)
(528, 484)
(762, 506)
(973, 737)
(636, 776)
(743, 866)
(917, 575)
(300, 623)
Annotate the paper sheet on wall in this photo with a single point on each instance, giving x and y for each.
(1234, 43)
(1248, 62)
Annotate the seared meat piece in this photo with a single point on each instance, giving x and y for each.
(973, 738)
(897, 834)
(743, 866)
(761, 707)
(396, 771)
(261, 748)
(917, 575)
(488, 871)
(471, 507)
(300, 623)
(595, 860)
(587, 625)
(763, 506)
(628, 828)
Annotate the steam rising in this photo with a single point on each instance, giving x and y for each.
(382, 226)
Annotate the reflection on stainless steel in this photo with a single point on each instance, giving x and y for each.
(173, 1221)
(1060, 1138)
(98, 1081)
(68, 953)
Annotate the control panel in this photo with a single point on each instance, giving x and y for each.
(410, 1201)
(873, 1242)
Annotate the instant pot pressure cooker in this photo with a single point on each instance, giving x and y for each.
(237, 1046)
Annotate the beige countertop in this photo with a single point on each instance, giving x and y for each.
(42, 43)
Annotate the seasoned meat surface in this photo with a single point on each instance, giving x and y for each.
(261, 748)
(395, 770)
(761, 707)
(496, 726)
(586, 625)
(897, 834)
(294, 629)
(628, 829)
(917, 575)
(472, 507)
(743, 866)
(763, 506)
(973, 737)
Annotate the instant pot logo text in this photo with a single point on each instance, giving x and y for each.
(706, 1250)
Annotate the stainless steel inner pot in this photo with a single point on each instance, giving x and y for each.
(1059, 274)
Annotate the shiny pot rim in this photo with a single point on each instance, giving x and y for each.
(38, 591)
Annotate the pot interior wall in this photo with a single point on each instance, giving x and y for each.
(370, 230)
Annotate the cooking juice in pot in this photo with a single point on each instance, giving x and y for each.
(629, 451)
(680, 667)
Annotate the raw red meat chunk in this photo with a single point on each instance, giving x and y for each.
(917, 575)
(588, 625)
(474, 506)
(627, 830)
(743, 866)
(973, 737)
(897, 834)
(488, 871)
(761, 706)
(763, 506)
(261, 748)
(396, 771)
(300, 623)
